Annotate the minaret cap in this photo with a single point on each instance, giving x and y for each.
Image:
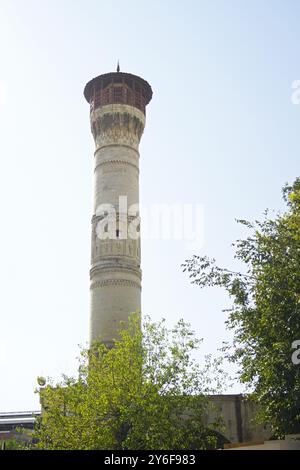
(118, 87)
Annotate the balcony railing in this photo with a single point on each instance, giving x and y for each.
(118, 95)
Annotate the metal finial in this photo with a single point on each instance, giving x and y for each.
(118, 67)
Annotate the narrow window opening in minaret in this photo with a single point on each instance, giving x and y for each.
(117, 233)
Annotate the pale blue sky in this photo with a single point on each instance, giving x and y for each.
(221, 131)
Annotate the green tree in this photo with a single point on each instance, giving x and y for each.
(11, 444)
(22, 440)
(147, 392)
(265, 315)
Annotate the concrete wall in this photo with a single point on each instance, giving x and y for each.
(238, 415)
(291, 442)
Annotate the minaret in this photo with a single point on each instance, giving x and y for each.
(117, 112)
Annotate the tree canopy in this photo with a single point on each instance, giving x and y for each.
(147, 392)
(265, 315)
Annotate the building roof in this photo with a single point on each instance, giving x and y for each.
(10, 420)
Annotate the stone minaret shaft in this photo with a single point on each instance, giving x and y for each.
(117, 112)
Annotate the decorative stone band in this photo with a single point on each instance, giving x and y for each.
(115, 249)
(97, 218)
(116, 162)
(117, 124)
(115, 283)
(123, 250)
(116, 145)
(111, 269)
